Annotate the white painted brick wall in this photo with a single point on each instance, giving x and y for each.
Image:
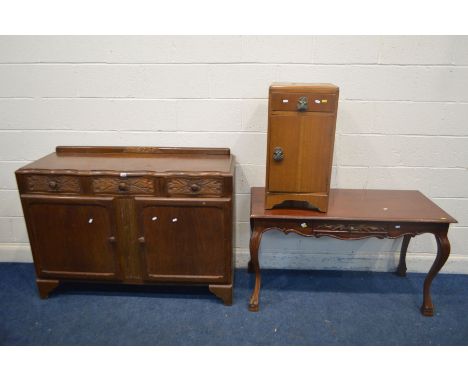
(402, 120)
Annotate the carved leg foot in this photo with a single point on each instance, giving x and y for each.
(427, 311)
(224, 292)
(46, 287)
(254, 246)
(443, 251)
(401, 270)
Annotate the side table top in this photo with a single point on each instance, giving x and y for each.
(366, 205)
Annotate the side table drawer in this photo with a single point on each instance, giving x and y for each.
(53, 183)
(193, 186)
(115, 185)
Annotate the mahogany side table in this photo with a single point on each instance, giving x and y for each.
(352, 215)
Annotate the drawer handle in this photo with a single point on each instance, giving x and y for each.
(53, 184)
(112, 239)
(122, 186)
(195, 187)
(302, 104)
(278, 154)
(141, 240)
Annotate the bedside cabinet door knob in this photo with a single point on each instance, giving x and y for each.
(53, 184)
(302, 104)
(141, 240)
(123, 186)
(278, 154)
(195, 187)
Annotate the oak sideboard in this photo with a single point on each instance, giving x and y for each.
(132, 215)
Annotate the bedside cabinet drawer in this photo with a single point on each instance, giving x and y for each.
(53, 183)
(303, 102)
(115, 185)
(189, 186)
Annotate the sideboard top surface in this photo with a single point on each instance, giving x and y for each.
(365, 205)
(137, 159)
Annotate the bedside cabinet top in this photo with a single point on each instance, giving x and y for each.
(304, 87)
(77, 159)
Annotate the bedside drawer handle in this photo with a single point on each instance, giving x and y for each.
(122, 186)
(53, 184)
(141, 240)
(112, 239)
(195, 187)
(278, 154)
(302, 104)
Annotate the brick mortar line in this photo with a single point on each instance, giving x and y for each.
(234, 63)
(247, 194)
(94, 131)
(224, 99)
(26, 161)
(237, 99)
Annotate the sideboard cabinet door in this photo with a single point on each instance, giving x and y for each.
(185, 240)
(72, 237)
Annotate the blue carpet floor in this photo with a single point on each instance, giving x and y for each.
(297, 308)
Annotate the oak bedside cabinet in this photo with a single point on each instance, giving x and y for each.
(132, 215)
(301, 135)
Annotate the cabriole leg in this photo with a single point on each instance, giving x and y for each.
(254, 263)
(443, 251)
(401, 270)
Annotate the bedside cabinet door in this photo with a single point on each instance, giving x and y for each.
(185, 240)
(300, 152)
(72, 237)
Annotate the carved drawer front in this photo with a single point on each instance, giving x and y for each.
(193, 186)
(53, 183)
(115, 185)
(352, 228)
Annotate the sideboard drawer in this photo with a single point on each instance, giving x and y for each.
(193, 186)
(116, 185)
(53, 183)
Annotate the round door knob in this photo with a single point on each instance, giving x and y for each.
(53, 184)
(195, 187)
(302, 104)
(123, 186)
(278, 154)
